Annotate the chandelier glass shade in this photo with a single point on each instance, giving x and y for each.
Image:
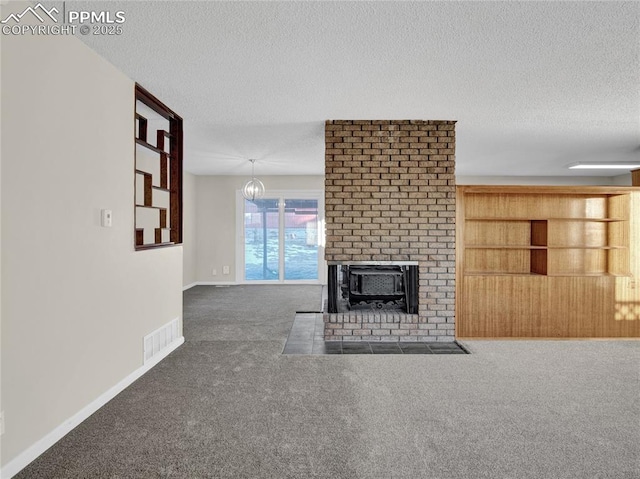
(254, 188)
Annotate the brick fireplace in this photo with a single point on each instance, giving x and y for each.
(390, 203)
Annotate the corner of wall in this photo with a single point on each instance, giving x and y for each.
(190, 229)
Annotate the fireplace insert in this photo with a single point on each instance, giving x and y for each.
(373, 286)
(380, 285)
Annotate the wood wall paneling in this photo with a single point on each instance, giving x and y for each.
(536, 206)
(548, 262)
(506, 261)
(488, 232)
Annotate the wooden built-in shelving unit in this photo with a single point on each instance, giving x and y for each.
(547, 261)
(158, 173)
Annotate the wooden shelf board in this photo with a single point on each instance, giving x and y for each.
(493, 218)
(535, 190)
(516, 247)
(161, 208)
(597, 220)
(555, 275)
(483, 273)
(582, 275)
(149, 146)
(586, 247)
(155, 245)
(159, 188)
(492, 246)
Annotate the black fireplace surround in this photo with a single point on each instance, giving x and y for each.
(373, 286)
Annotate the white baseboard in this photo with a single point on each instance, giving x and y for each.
(236, 283)
(209, 283)
(35, 450)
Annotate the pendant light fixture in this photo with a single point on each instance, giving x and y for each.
(253, 188)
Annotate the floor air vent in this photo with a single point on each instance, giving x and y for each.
(157, 341)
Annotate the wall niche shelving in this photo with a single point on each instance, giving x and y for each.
(552, 235)
(538, 261)
(158, 173)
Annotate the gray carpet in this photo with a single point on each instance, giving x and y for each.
(228, 404)
(246, 313)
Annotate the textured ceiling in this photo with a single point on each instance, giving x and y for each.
(534, 86)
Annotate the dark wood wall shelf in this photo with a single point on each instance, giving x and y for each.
(161, 208)
(150, 146)
(153, 246)
(158, 170)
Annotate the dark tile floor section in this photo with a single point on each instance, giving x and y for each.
(307, 337)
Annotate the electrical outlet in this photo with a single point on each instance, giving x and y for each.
(225, 270)
(214, 272)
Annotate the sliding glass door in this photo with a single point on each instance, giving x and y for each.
(300, 239)
(261, 240)
(281, 239)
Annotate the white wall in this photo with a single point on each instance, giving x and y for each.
(216, 219)
(1, 122)
(77, 298)
(623, 180)
(189, 229)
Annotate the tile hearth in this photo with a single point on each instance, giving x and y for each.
(307, 337)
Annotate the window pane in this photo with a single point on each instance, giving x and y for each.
(261, 251)
(301, 239)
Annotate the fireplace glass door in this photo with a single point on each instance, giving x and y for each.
(281, 239)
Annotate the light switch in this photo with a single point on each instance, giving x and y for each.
(106, 218)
